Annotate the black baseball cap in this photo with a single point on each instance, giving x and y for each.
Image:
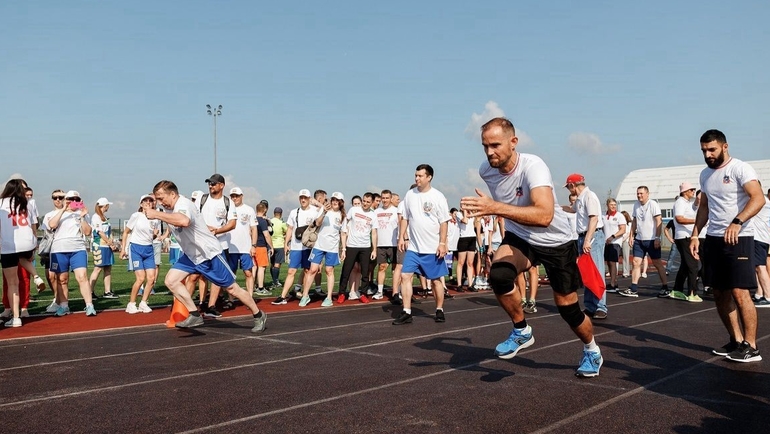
(216, 178)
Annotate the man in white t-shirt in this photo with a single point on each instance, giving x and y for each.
(684, 218)
(202, 255)
(731, 197)
(425, 218)
(242, 244)
(761, 223)
(387, 240)
(646, 230)
(361, 247)
(536, 230)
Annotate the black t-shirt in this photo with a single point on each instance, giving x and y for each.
(261, 228)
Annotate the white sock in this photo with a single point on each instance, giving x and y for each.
(591, 346)
(380, 287)
(439, 309)
(65, 304)
(408, 311)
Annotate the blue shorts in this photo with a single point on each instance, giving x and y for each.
(240, 259)
(216, 270)
(174, 254)
(646, 247)
(427, 264)
(103, 256)
(64, 262)
(299, 258)
(331, 259)
(140, 257)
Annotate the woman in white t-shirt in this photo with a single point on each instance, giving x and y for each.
(626, 246)
(69, 251)
(101, 246)
(137, 247)
(18, 244)
(58, 203)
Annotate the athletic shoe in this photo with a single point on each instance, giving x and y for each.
(110, 295)
(212, 312)
(644, 275)
(6, 314)
(628, 293)
(52, 308)
(262, 292)
(62, 310)
(363, 299)
(611, 288)
(278, 301)
(327, 302)
(354, 295)
(378, 296)
(744, 354)
(695, 298)
(90, 310)
(517, 340)
(39, 283)
(447, 295)
(341, 298)
(626, 275)
(190, 322)
(144, 308)
(14, 322)
(403, 318)
(260, 323)
(590, 365)
(131, 308)
(600, 314)
(762, 302)
(304, 301)
(396, 300)
(664, 293)
(24, 313)
(228, 305)
(678, 295)
(440, 316)
(726, 349)
(530, 306)
(141, 291)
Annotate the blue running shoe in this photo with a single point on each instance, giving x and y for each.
(90, 311)
(62, 310)
(517, 340)
(590, 365)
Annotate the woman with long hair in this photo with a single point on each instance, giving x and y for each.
(101, 247)
(139, 234)
(19, 241)
(69, 250)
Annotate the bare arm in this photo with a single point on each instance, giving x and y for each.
(175, 218)
(539, 213)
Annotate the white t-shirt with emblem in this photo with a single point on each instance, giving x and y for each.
(16, 228)
(217, 215)
(587, 204)
(611, 225)
(240, 237)
(723, 188)
(329, 232)
(514, 189)
(645, 219)
(68, 236)
(196, 241)
(360, 225)
(387, 226)
(142, 229)
(685, 208)
(425, 212)
(300, 217)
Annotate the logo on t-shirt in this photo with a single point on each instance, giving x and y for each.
(427, 207)
(519, 192)
(726, 180)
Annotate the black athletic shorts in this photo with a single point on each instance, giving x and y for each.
(388, 255)
(466, 244)
(726, 267)
(760, 253)
(560, 262)
(10, 260)
(612, 252)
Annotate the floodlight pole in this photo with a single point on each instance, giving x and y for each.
(215, 112)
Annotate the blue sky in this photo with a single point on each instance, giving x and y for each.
(109, 97)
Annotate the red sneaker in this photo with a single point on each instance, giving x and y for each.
(340, 298)
(363, 299)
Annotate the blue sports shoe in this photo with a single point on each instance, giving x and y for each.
(590, 365)
(517, 340)
(62, 310)
(90, 311)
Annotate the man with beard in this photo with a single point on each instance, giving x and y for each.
(731, 197)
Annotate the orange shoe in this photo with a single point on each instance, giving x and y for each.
(363, 299)
(341, 298)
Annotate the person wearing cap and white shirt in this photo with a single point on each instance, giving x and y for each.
(243, 239)
(137, 247)
(590, 228)
(684, 220)
(299, 255)
(69, 250)
(101, 246)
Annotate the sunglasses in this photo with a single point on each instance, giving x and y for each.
(211, 184)
(74, 199)
(57, 197)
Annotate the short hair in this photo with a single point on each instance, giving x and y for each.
(28, 190)
(369, 195)
(354, 198)
(261, 207)
(376, 196)
(643, 187)
(58, 190)
(398, 196)
(501, 122)
(712, 135)
(318, 193)
(166, 186)
(611, 200)
(452, 210)
(384, 192)
(426, 168)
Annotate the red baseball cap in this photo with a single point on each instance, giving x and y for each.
(574, 179)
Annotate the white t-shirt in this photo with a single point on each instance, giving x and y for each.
(686, 209)
(240, 237)
(16, 229)
(723, 188)
(466, 229)
(47, 218)
(142, 229)
(300, 217)
(628, 232)
(761, 222)
(497, 236)
(360, 225)
(587, 204)
(645, 219)
(514, 189)
(572, 225)
(611, 225)
(68, 236)
(217, 215)
(387, 226)
(99, 225)
(425, 212)
(196, 241)
(329, 232)
(452, 235)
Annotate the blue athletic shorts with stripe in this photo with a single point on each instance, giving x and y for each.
(140, 257)
(330, 259)
(426, 264)
(103, 256)
(299, 258)
(174, 254)
(242, 260)
(216, 270)
(64, 262)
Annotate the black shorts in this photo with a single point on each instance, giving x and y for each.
(560, 262)
(389, 255)
(760, 253)
(612, 252)
(726, 267)
(466, 244)
(45, 261)
(10, 260)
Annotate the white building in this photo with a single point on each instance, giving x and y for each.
(663, 183)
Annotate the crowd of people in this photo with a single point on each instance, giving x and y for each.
(497, 242)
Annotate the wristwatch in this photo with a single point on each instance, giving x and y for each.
(737, 221)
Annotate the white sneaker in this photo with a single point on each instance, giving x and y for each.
(354, 295)
(6, 314)
(377, 296)
(52, 308)
(24, 313)
(644, 275)
(131, 308)
(40, 283)
(144, 308)
(15, 322)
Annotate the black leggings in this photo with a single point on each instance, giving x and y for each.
(688, 269)
(353, 255)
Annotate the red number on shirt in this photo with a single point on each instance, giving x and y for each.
(18, 220)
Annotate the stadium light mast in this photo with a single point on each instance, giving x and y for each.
(215, 112)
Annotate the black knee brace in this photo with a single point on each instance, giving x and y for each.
(502, 276)
(572, 314)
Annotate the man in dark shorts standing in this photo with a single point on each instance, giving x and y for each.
(731, 196)
(536, 230)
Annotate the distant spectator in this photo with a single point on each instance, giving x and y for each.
(102, 247)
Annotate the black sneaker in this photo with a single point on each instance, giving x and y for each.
(664, 293)
(612, 289)
(396, 300)
(403, 318)
(229, 304)
(278, 301)
(110, 295)
(212, 312)
(744, 353)
(726, 349)
(628, 293)
(448, 296)
(440, 316)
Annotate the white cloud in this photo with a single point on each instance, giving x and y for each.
(590, 144)
(492, 110)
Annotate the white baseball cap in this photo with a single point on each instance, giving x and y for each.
(72, 193)
(145, 196)
(236, 191)
(103, 201)
(338, 195)
(304, 192)
(196, 194)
